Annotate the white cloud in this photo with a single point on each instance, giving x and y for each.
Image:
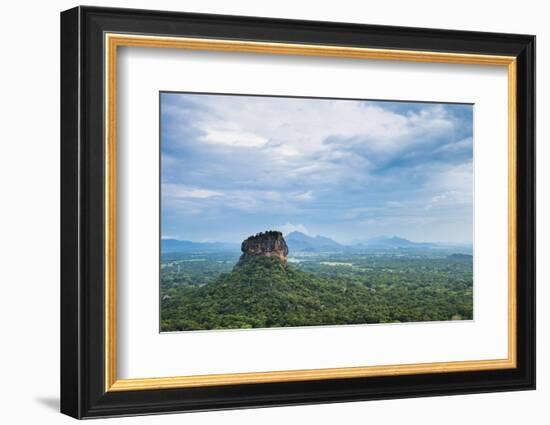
(300, 128)
(233, 138)
(442, 199)
(306, 196)
(357, 212)
(178, 191)
(451, 186)
(394, 204)
(194, 200)
(456, 179)
(279, 143)
(289, 228)
(456, 146)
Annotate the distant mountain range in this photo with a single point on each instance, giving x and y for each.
(394, 242)
(300, 242)
(175, 245)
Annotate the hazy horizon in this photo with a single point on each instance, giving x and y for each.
(232, 166)
(351, 242)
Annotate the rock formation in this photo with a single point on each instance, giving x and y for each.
(266, 244)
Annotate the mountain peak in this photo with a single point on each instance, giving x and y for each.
(297, 234)
(300, 242)
(265, 244)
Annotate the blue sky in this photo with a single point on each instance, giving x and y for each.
(351, 170)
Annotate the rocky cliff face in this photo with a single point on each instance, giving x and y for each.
(267, 244)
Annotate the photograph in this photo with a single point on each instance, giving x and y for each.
(281, 211)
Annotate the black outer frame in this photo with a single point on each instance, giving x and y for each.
(82, 219)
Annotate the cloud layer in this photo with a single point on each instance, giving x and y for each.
(236, 165)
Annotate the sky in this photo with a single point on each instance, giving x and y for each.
(351, 170)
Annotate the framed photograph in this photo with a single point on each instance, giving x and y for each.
(261, 212)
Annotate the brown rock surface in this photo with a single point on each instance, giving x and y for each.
(267, 244)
